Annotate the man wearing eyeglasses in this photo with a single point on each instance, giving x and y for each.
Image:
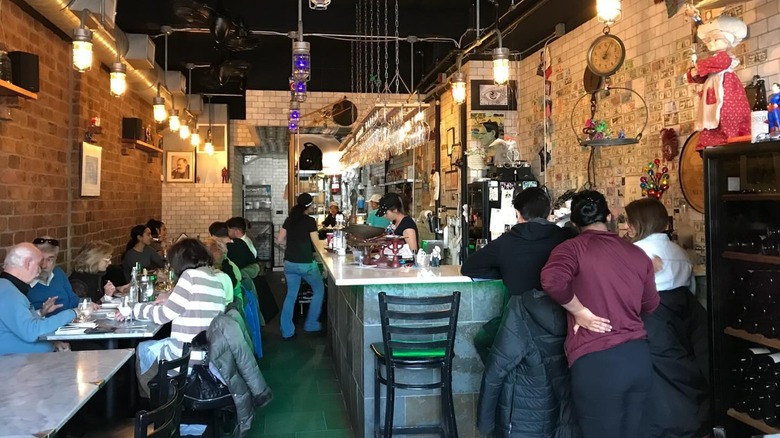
(51, 292)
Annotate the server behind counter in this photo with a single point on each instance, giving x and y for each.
(391, 206)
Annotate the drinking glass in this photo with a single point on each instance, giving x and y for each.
(481, 243)
(85, 310)
(126, 309)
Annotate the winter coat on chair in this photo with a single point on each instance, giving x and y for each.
(526, 390)
(230, 350)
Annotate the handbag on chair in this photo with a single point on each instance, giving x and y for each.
(203, 388)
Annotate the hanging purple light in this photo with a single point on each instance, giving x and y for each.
(299, 91)
(301, 61)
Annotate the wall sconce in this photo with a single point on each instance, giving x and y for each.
(82, 48)
(158, 104)
(458, 82)
(301, 61)
(608, 11)
(118, 79)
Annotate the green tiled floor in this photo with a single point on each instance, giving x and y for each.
(307, 398)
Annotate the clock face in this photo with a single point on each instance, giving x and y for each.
(606, 55)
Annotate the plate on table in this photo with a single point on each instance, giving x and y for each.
(110, 305)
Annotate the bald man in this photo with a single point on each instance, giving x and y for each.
(20, 324)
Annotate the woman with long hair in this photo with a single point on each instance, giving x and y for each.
(197, 298)
(89, 268)
(678, 404)
(159, 235)
(598, 273)
(138, 250)
(391, 206)
(299, 232)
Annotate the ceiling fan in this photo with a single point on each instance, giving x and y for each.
(229, 33)
(225, 72)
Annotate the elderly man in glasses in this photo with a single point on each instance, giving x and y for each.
(51, 291)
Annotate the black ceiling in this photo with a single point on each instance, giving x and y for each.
(269, 63)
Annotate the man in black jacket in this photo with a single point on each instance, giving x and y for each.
(517, 257)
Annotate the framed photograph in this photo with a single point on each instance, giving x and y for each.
(218, 137)
(91, 167)
(486, 95)
(180, 166)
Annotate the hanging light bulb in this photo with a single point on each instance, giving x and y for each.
(209, 146)
(299, 91)
(184, 131)
(294, 117)
(118, 79)
(301, 61)
(174, 123)
(158, 104)
(608, 11)
(82, 49)
(195, 139)
(458, 82)
(501, 65)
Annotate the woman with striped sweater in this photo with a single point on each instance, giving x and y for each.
(197, 298)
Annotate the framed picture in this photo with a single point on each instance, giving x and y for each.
(218, 137)
(486, 95)
(180, 166)
(91, 167)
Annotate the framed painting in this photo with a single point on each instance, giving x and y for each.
(180, 166)
(91, 156)
(486, 95)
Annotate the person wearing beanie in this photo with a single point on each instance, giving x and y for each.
(299, 233)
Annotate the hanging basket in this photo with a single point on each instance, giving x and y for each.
(599, 133)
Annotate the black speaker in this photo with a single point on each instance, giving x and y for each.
(24, 70)
(132, 128)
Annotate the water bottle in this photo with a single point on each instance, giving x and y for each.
(147, 289)
(134, 287)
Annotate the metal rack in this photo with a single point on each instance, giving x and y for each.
(258, 209)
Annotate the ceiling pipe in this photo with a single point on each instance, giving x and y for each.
(487, 39)
(104, 45)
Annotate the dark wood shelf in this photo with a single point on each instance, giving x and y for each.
(755, 258)
(9, 89)
(758, 424)
(128, 144)
(758, 339)
(751, 196)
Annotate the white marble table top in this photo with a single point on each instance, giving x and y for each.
(124, 330)
(43, 391)
(345, 272)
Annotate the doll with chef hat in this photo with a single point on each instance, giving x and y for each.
(723, 111)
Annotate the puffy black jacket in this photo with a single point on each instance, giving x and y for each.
(526, 389)
(230, 350)
(517, 257)
(678, 405)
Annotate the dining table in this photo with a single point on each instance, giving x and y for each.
(45, 390)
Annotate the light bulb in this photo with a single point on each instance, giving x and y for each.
(500, 65)
(160, 113)
(209, 147)
(608, 11)
(293, 125)
(301, 61)
(184, 131)
(458, 83)
(82, 54)
(173, 122)
(195, 139)
(118, 79)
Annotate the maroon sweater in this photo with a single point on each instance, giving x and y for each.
(612, 278)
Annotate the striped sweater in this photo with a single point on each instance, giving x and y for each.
(196, 300)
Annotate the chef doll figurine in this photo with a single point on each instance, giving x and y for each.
(723, 110)
(774, 111)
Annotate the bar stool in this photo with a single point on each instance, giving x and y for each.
(417, 334)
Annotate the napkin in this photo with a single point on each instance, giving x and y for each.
(70, 331)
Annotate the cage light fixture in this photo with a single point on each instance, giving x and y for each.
(118, 79)
(458, 83)
(608, 11)
(195, 138)
(174, 123)
(299, 91)
(184, 131)
(294, 117)
(158, 105)
(301, 61)
(319, 5)
(501, 65)
(82, 48)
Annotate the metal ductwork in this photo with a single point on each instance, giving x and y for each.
(104, 46)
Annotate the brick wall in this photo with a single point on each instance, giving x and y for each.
(39, 151)
(191, 208)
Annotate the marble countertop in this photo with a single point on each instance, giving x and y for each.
(345, 272)
(134, 329)
(49, 388)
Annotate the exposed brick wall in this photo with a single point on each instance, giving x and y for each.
(34, 150)
(191, 208)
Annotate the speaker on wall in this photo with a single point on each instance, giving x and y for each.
(132, 128)
(24, 70)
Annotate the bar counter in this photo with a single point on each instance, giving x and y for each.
(353, 313)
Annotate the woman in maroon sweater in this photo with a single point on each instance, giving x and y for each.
(598, 273)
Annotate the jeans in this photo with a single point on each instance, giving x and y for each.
(294, 273)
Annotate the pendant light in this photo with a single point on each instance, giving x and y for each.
(500, 62)
(608, 11)
(301, 61)
(158, 104)
(173, 121)
(185, 131)
(118, 78)
(209, 146)
(195, 138)
(458, 83)
(82, 46)
(294, 117)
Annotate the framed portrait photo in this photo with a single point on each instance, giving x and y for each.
(486, 95)
(180, 166)
(91, 156)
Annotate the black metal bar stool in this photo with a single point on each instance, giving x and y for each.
(417, 334)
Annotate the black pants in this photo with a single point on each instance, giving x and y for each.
(610, 388)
